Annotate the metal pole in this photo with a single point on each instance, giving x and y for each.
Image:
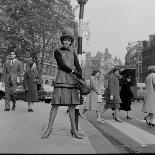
(81, 3)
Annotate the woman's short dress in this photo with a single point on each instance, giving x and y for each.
(65, 89)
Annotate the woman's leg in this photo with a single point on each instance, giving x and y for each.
(72, 120)
(116, 115)
(99, 119)
(152, 118)
(29, 105)
(51, 120)
(127, 116)
(82, 111)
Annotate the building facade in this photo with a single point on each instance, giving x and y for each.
(101, 61)
(148, 54)
(133, 58)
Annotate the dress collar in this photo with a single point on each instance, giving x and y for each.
(63, 48)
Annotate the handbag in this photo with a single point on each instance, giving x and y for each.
(99, 98)
(83, 87)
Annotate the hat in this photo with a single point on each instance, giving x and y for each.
(115, 69)
(67, 32)
(151, 69)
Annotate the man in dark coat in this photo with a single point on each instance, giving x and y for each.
(12, 69)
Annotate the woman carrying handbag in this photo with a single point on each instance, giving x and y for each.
(66, 91)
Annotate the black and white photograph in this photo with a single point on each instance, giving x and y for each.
(77, 76)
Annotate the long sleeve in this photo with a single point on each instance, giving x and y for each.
(60, 62)
(94, 85)
(20, 70)
(25, 80)
(4, 73)
(153, 79)
(76, 63)
(111, 85)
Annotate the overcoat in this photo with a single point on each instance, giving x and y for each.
(113, 89)
(126, 96)
(12, 72)
(92, 97)
(149, 98)
(29, 77)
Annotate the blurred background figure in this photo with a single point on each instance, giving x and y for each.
(113, 99)
(126, 95)
(149, 99)
(12, 69)
(94, 99)
(30, 84)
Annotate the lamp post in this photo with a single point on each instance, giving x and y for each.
(80, 35)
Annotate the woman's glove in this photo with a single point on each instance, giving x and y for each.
(78, 75)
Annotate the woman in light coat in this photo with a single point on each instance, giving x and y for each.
(92, 100)
(149, 99)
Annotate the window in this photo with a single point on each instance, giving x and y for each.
(139, 58)
(139, 68)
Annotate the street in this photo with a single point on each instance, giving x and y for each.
(21, 131)
(131, 136)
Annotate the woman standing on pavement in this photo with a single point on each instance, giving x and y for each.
(126, 95)
(94, 99)
(65, 89)
(113, 99)
(30, 85)
(149, 99)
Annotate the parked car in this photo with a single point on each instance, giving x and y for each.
(44, 93)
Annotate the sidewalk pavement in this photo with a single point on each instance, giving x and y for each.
(20, 131)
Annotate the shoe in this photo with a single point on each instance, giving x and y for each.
(30, 110)
(45, 135)
(127, 117)
(14, 107)
(147, 122)
(151, 124)
(118, 120)
(100, 121)
(78, 136)
(6, 109)
(81, 115)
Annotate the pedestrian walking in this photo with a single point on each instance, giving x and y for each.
(31, 80)
(113, 99)
(149, 98)
(94, 98)
(66, 92)
(12, 69)
(126, 95)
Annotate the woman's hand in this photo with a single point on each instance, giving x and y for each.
(78, 75)
(111, 97)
